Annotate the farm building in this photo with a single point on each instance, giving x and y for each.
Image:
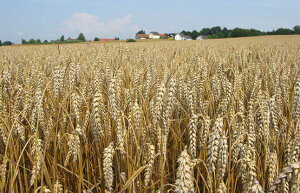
(106, 40)
(154, 35)
(141, 36)
(201, 37)
(163, 36)
(188, 37)
(181, 36)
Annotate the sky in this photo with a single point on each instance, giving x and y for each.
(49, 19)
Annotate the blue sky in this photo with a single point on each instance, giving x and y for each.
(49, 19)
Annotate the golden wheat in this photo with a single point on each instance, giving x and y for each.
(165, 116)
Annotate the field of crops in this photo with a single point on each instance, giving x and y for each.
(193, 116)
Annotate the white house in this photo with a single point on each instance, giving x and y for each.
(154, 35)
(181, 36)
(202, 37)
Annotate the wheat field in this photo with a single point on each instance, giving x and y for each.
(212, 116)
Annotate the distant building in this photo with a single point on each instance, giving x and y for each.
(70, 39)
(141, 36)
(188, 37)
(163, 36)
(181, 36)
(201, 37)
(154, 35)
(106, 40)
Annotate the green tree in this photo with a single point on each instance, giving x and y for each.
(81, 37)
(270, 32)
(141, 32)
(215, 30)
(38, 41)
(0, 43)
(254, 32)
(205, 31)
(209, 37)
(219, 35)
(96, 39)
(236, 32)
(24, 41)
(117, 38)
(7, 43)
(194, 34)
(31, 41)
(283, 31)
(45, 41)
(62, 38)
(130, 40)
(184, 32)
(239, 32)
(225, 32)
(188, 33)
(297, 29)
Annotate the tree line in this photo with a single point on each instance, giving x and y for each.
(6, 43)
(80, 38)
(61, 40)
(218, 32)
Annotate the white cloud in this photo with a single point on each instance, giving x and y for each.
(91, 25)
(21, 33)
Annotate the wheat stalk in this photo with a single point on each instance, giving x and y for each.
(108, 166)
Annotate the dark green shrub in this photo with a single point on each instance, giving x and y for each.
(130, 40)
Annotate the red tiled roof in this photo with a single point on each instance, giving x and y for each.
(163, 35)
(142, 35)
(105, 40)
